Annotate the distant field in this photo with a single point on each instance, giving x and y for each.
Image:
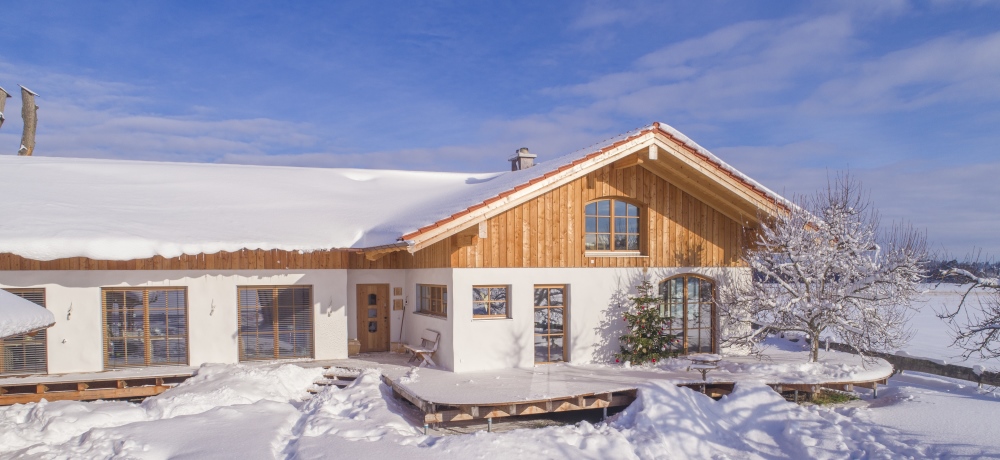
(931, 336)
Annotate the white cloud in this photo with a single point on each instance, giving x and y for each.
(944, 70)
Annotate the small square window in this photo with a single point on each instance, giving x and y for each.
(490, 302)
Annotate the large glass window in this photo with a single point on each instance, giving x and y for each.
(690, 303)
(611, 225)
(25, 353)
(550, 324)
(432, 300)
(145, 327)
(490, 302)
(276, 322)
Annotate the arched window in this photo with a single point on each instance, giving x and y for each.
(611, 225)
(690, 301)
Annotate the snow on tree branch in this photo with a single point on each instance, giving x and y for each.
(977, 331)
(826, 267)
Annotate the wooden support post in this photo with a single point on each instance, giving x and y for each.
(80, 386)
(29, 112)
(3, 101)
(40, 388)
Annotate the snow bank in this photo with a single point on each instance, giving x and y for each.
(19, 316)
(257, 414)
(224, 392)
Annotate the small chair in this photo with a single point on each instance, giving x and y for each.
(428, 345)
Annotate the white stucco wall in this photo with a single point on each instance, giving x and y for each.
(485, 344)
(414, 324)
(75, 342)
(467, 344)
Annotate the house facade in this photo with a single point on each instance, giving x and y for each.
(513, 269)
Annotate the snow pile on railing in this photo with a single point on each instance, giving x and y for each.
(20, 316)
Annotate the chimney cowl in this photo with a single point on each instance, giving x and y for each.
(522, 159)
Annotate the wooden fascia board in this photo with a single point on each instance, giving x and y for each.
(738, 214)
(526, 193)
(715, 173)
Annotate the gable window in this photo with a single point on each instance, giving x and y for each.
(25, 353)
(276, 322)
(432, 300)
(490, 302)
(145, 327)
(690, 303)
(611, 225)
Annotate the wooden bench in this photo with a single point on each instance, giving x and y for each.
(428, 345)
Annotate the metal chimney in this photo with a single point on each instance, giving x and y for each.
(522, 159)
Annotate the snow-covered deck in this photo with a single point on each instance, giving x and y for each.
(561, 387)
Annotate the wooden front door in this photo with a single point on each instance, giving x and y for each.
(373, 317)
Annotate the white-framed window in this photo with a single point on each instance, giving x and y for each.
(491, 301)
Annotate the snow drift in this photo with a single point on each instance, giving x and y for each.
(19, 316)
(238, 411)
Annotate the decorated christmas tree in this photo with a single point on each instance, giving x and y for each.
(646, 339)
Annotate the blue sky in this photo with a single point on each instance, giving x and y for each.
(905, 94)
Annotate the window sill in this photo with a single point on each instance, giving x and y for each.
(490, 318)
(430, 315)
(635, 254)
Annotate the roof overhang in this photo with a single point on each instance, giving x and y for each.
(674, 157)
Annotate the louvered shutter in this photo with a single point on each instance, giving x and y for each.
(27, 353)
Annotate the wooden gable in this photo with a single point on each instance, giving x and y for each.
(679, 230)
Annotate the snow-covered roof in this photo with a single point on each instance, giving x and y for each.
(53, 208)
(20, 316)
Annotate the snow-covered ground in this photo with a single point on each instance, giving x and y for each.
(236, 411)
(931, 336)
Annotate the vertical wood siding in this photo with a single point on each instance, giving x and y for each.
(678, 230)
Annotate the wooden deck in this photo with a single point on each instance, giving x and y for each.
(509, 393)
(87, 387)
(486, 401)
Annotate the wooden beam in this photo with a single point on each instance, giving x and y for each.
(375, 254)
(627, 162)
(86, 395)
(741, 214)
(696, 162)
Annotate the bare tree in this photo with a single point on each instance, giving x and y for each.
(977, 331)
(825, 267)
